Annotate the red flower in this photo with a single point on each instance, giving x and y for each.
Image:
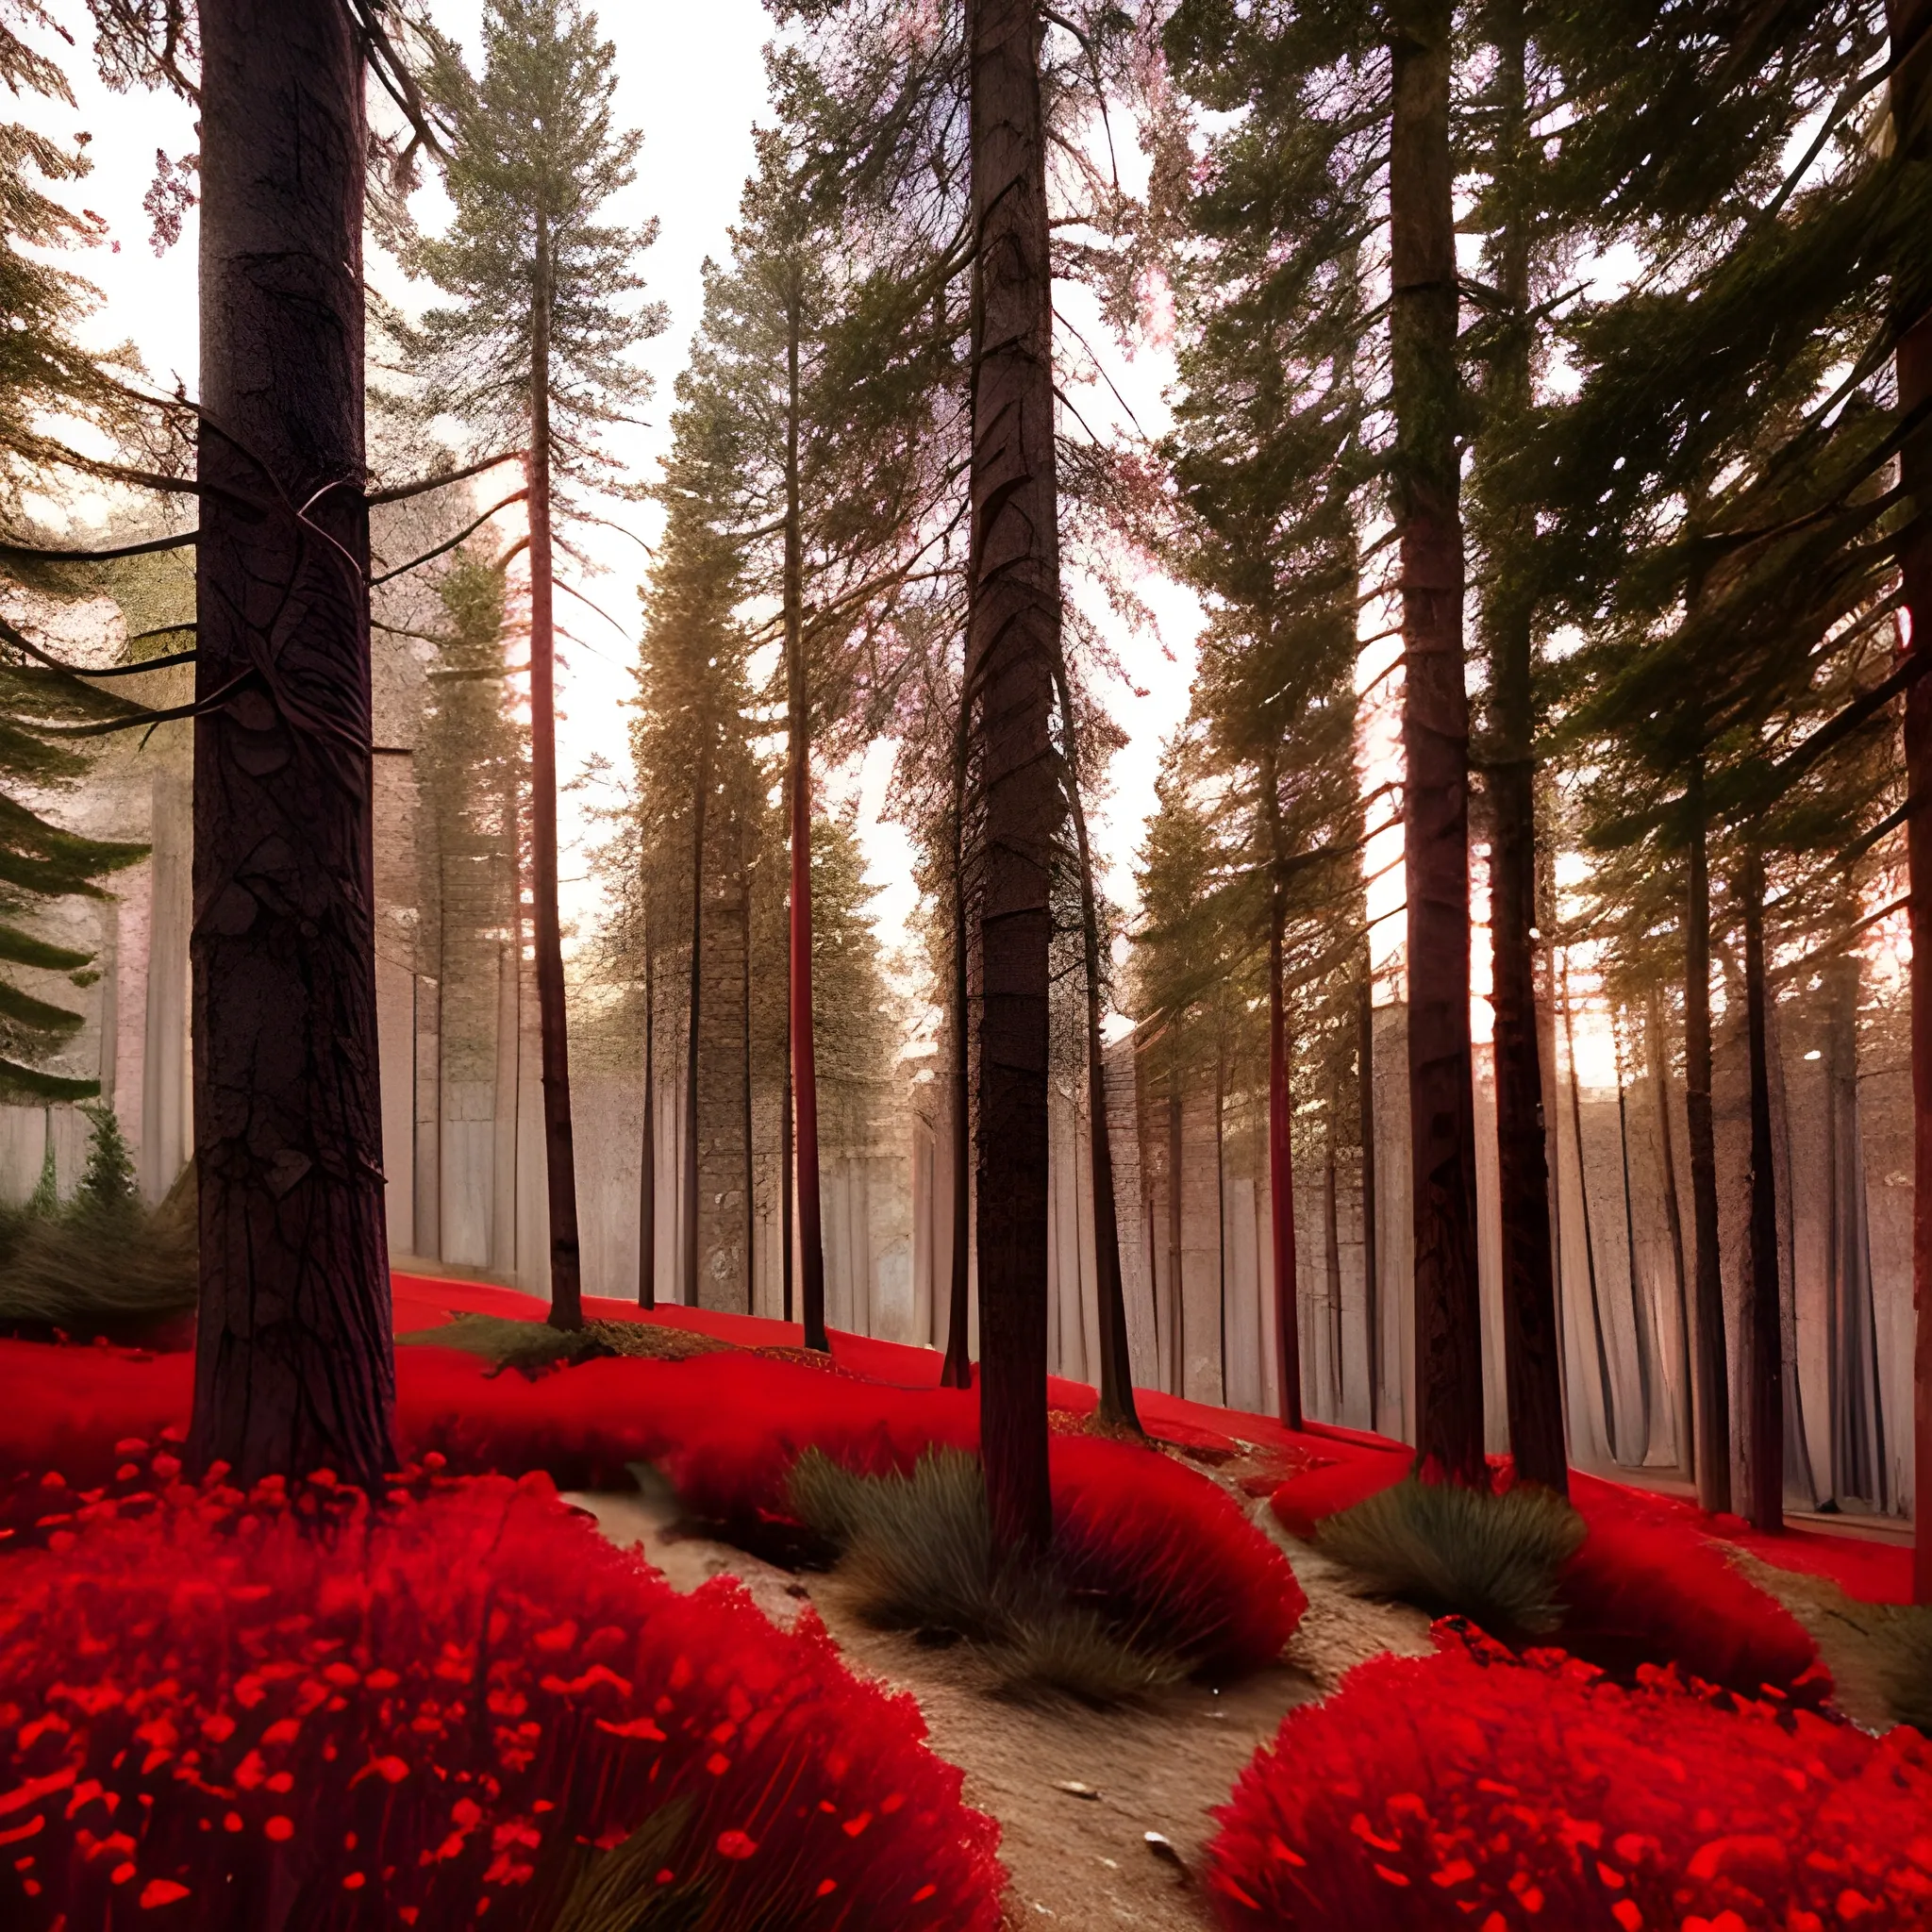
(166, 1680)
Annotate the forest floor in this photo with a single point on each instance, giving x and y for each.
(1076, 1791)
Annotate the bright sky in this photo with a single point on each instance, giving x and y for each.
(693, 78)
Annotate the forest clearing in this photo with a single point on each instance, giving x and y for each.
(959, 965)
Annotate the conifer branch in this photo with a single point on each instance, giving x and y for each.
(443, 549)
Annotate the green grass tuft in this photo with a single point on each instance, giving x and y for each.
(916, 1553)
(1460, 1551)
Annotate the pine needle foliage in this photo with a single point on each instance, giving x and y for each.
(1454, 1551)
(916, 1553)
(45, 372)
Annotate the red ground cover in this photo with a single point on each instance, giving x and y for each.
(1163, 1546)
(1471, 1792)
(227, 1710)
(1170, 1555)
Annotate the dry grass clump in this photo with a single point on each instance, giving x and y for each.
(619, 1890)
(916, 1553)
(533, 1347)
(103, 1264)
(1460, 1552)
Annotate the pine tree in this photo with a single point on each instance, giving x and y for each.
(826, 343)
(107, 1183)
(537, 353)
(1910, 24)
(1013, 643)
(293, 1365)
(1724, 538)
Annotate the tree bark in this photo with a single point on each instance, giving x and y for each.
(1532, 1350)
(956, 1371)
(1435, 739)
(294, 1369)
(1116, 1366)
(1766, 1476)
(647, 1178)
(700, 805)
(1013, 629)
(1911, 22)
(805, 1085)
(559, 1154)
(1713, 1355)
(1288, 1341)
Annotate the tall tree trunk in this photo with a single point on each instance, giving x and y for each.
(294, 1369)
(1911, 22)
(805, 1083)
(1766, 1476)
(1365, 1104)
(1288, 1341)
(751, 1298)
(1435, 741)
(1331, 1250)
(1605, 1384)
(785, 1161)
(1641, 1332)
(1656, 1053)
(1221, 1200)
(1013, 629)
(1116, 1367)
(688, 1284)
(956, 1370)
(647, 1180)
(1532, 1350)
(1713, 1355)
(559, 1155)
(1176, 1301)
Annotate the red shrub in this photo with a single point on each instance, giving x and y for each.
(1329, 1487)
(237, 1711)
(1657, 1592)
(1471, 1792)
(1167, 1548)
(1171, 1554)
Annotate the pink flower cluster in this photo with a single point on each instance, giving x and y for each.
(1478, 1792)
(291, 1705)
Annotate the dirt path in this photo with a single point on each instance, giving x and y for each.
(1078, 1858)
(1851, 1635)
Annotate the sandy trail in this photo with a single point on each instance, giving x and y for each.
(1076, 1860)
